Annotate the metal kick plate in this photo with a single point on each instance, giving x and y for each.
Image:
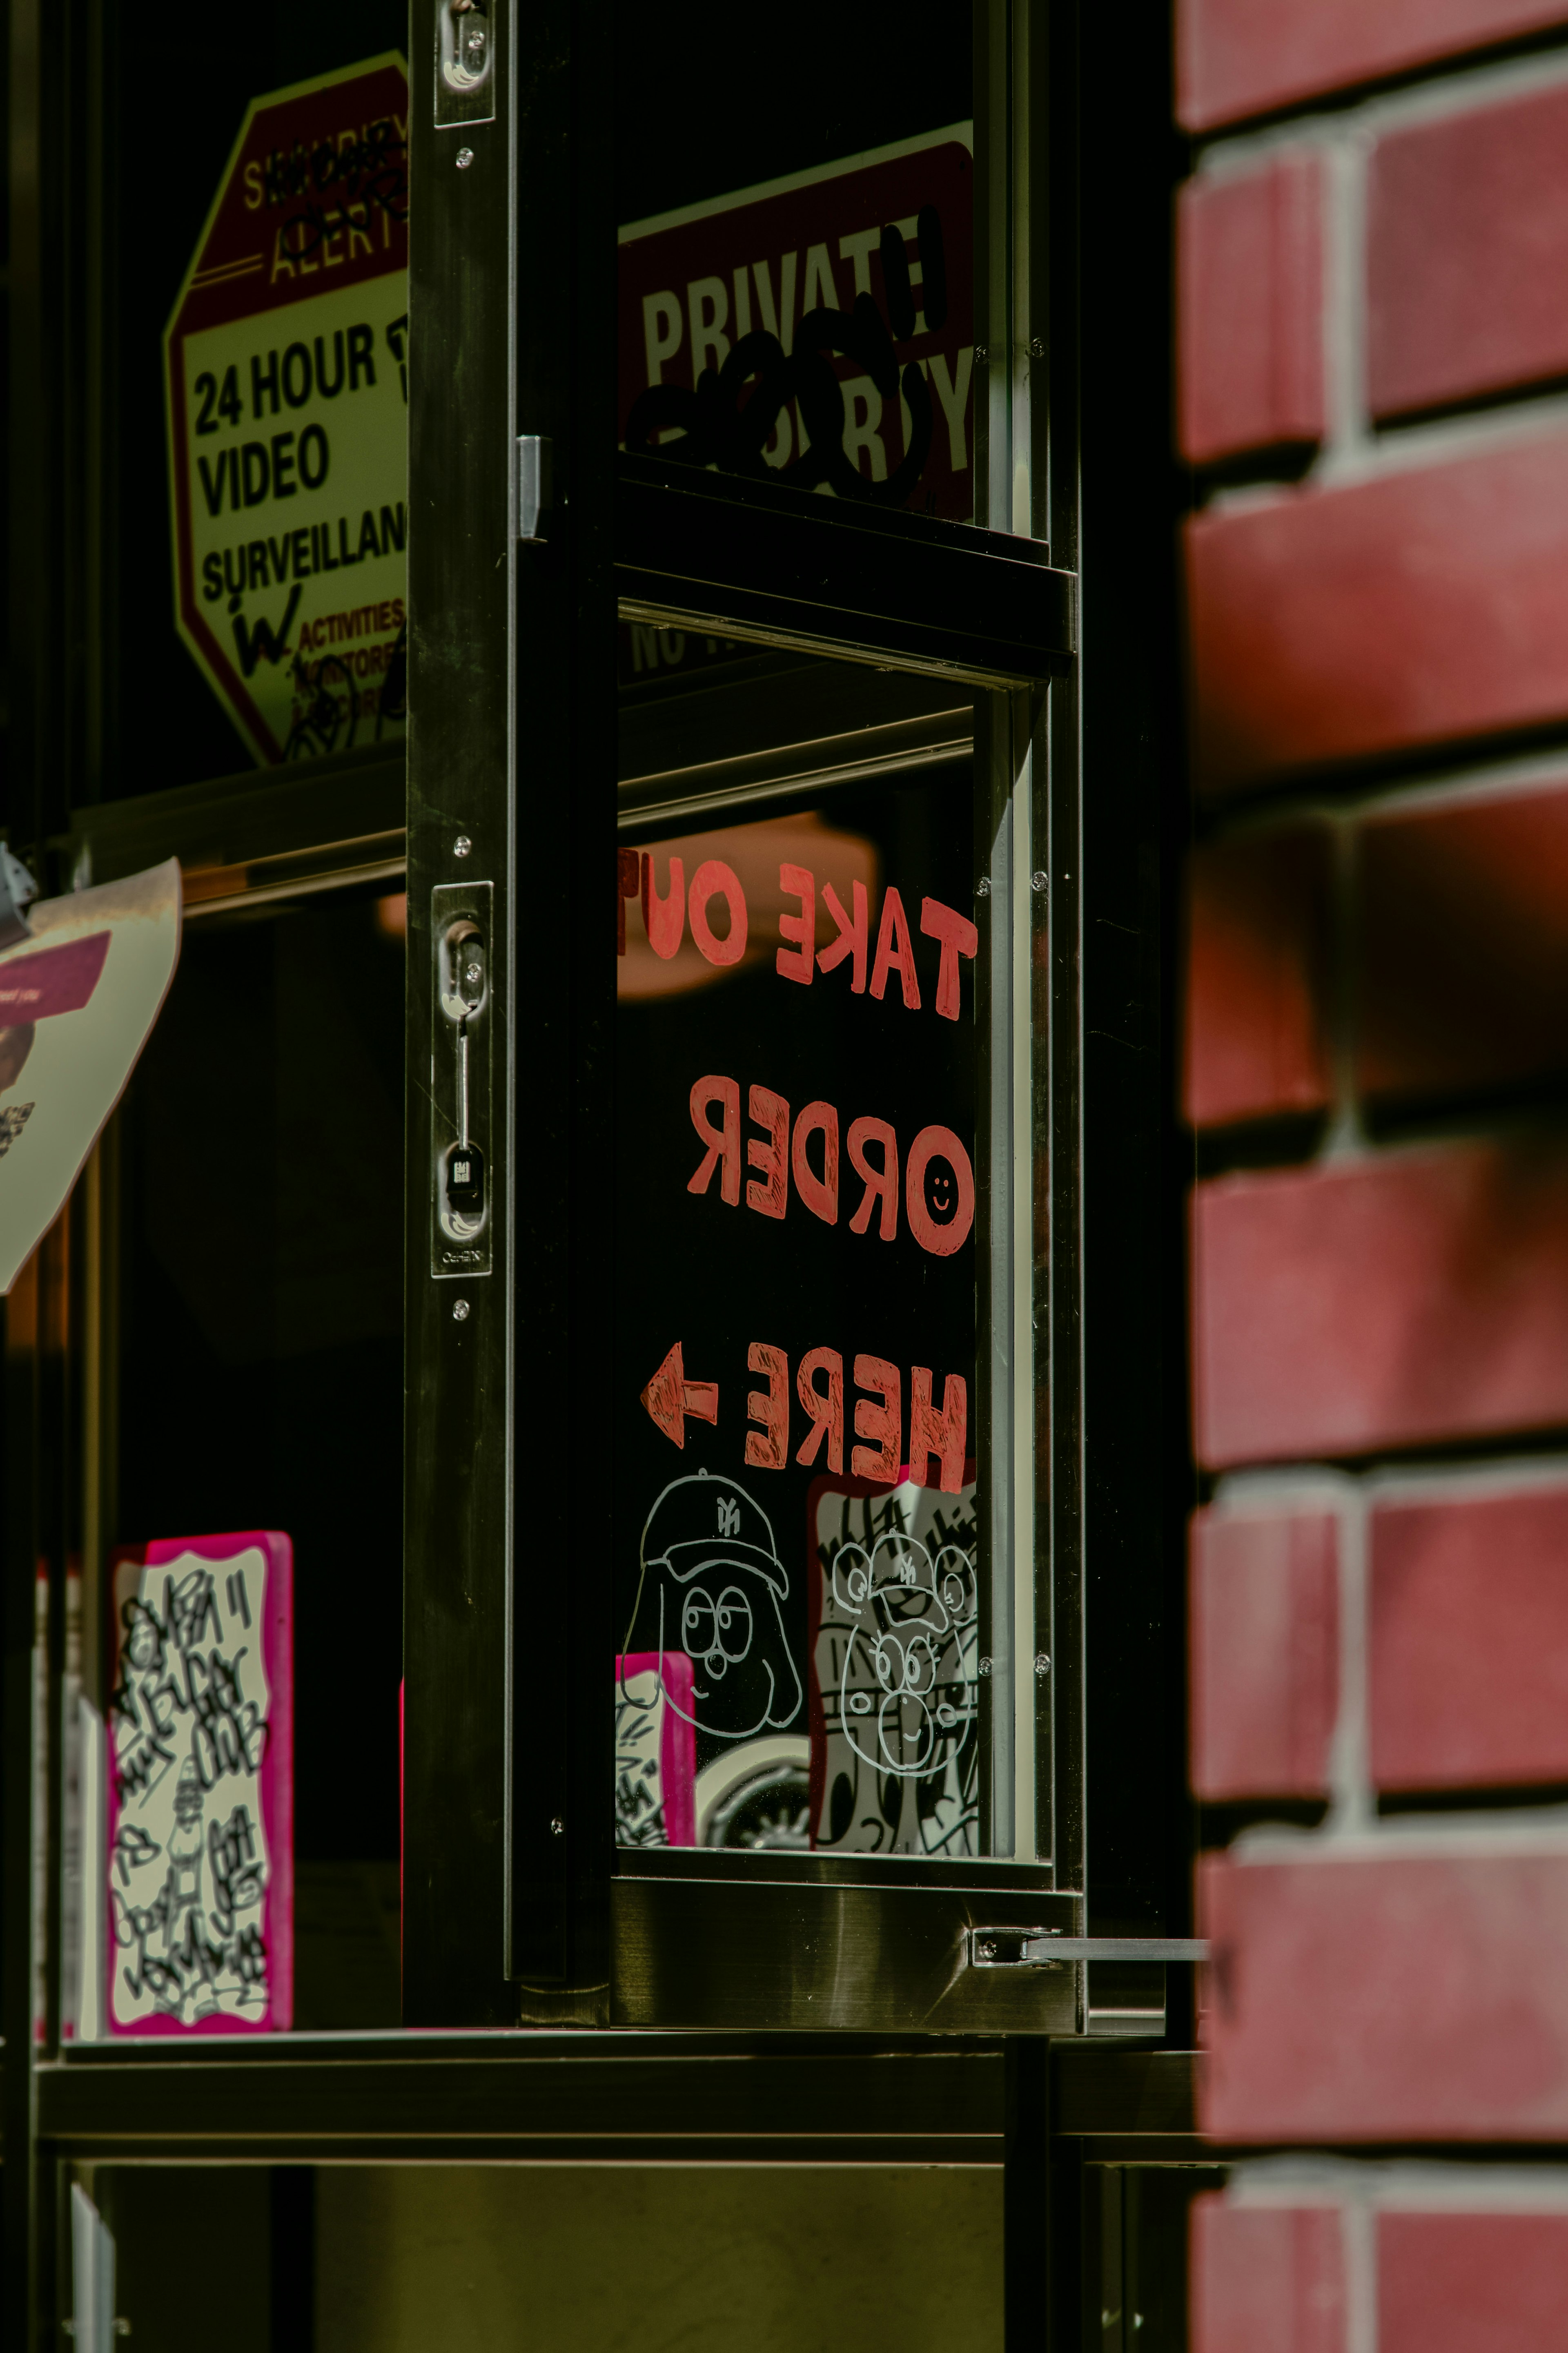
(868, 1959)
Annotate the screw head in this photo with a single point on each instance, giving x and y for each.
(557, 1828)
(986, 1666)
(1042, 1664)
(465, 157)
(1037, 879)
(462, 846)
(460, 1311)
(471, 975)
(985, 1949)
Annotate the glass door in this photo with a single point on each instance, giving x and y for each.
(739, 1397)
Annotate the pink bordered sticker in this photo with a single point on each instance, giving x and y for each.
(656, 1750)
(201, 1796)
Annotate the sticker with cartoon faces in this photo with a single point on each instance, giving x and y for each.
(713, 1590)
(895, 1662)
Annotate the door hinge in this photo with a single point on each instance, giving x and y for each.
(530, 484)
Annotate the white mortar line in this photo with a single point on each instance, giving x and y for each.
(1402, 2184)
(1461, 1836)
(1348, 448)
(1467, 1481)
(1358, 2224)
(1296, 1487)
(1351, 1807)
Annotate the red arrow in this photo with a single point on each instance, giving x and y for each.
(670, 1397)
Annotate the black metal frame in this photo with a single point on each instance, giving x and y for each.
(481, 1926)
(754, 560)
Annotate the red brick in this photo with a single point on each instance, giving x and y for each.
(1265, 1653)
(1250, 279)
(1394, 1996)
(1462, 945)
(1388, 1303)
(1469, 1643)
(1267, 2279)
(1237, 58)
(1467, 255)
(1482, 2282)
(1257, 923)
(1424, 608)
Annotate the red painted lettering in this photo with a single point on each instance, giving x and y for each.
(825, 1408)
(769, 1191)
(851, 939)
(953, 1195)
(882, 1423)
(881, 1183)
(768, 1449)
(958, 937)
(724, 1141)
(820, 1193)
(663, 918)
(714, 879)
(895, 953)
(797, 962)
(943, 1434)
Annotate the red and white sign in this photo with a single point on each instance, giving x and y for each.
(777, 327)
(77, 1000)
(287, 377)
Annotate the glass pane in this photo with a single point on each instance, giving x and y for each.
(801, 1438)
(796, 275)
(240, 1772)
(254, 310)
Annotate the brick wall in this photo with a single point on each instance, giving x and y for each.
(1373, 257)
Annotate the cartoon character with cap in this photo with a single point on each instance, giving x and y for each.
(712, 1586)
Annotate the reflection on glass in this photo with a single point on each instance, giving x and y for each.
(819, 329)
(799, 1659)
(796, 276)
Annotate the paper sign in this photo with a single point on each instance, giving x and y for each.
(288, 402)
(77, 1001)
(200, 1802)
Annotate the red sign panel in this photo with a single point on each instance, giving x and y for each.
(820, 328)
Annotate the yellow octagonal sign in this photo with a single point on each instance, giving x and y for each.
(286, 378)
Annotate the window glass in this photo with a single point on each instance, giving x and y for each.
(807, 1622)
(797, 255)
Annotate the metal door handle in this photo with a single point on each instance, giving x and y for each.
(1035, 1948)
